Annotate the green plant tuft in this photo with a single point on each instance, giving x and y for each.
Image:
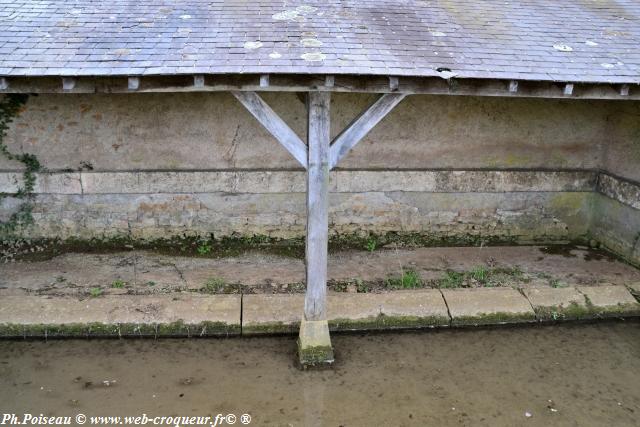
(204, 248)
(118, 284)
(408, 280)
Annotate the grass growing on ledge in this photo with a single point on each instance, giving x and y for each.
(481, 276)
(408, 280)
(118, 284)
(216, 285)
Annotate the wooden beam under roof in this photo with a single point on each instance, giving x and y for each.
(332, 83)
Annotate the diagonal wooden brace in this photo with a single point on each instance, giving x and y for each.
(361, 126)
(274, 124)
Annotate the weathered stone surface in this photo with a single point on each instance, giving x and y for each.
(615, 225)
(202, 131)
(484, 306)
(168, 315)
(265, 182)
(269, 314)
(398, 309)
(146, 272)
(557, 303)
(620, 190)
(610, 301)
(517, 217)
(281, 313)
(314, 344)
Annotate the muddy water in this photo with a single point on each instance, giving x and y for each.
(574, 375)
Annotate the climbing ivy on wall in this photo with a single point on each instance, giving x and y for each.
(10, 106)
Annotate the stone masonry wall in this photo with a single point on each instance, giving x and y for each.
(153, 165)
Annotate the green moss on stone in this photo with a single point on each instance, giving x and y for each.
(573, 311)
(315, 356)
(388, 322)
(85, 330)
(270, 328)
(497, 318)
(620, 310)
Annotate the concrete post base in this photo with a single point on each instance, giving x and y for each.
(314, 344)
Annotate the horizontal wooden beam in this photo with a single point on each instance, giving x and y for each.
(361, 126)
(274, 124)
(333, 83)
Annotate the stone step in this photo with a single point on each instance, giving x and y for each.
(188, 314)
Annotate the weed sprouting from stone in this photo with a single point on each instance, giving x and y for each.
(451, 279)
(362, 287)
(214, 285)
(95, 292)
(118, 284)
(480, 276)
(408, 280)
(371, 244)
(204, 248)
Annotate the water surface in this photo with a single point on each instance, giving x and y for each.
(570, 375)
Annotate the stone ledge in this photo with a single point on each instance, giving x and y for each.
(484, 306)
(123, 315)
(557, 303)
(281, 313)
(610, 301)
(263, 182)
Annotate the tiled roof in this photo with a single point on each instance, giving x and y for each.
(568, 40)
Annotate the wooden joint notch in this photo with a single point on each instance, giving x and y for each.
(68, 83)
(133, 83)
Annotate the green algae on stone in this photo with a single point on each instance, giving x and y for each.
(497, 318)
(388, 322)
(317, 356)
(573, 311)
(270, 328)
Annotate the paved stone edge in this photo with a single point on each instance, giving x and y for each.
(180, 328)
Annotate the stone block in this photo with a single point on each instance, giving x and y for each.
(557, 303)
(484, 306)
(610, 301)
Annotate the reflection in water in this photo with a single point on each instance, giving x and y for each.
(313, 403)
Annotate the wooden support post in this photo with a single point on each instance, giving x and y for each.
(513, 86)
(317, 206)
(4, 84)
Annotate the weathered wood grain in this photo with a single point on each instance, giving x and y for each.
(317, 206)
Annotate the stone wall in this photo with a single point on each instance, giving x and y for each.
(152, 165)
